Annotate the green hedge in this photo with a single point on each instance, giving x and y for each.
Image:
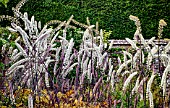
(111, 14)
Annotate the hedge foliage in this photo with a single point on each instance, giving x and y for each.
(111, 14)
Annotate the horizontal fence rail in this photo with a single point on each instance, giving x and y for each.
(124, 43)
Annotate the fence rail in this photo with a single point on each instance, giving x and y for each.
(124, 43)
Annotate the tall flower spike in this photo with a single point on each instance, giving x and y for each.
(151, 100)
(47, 80)
(20, 4)
(137, 22)
(14, 52)
(25, 37)
(133, 18)
(127, 54)
(128, 80)
(85, 64)
(163, 80)
(162, 23)
(112, 79)
(88, 22)
(126, 72)
(110, 73)
(11, 29)
(58, 27)
(30, 101)
(136, 86)
(18, 63)
(122, 66)
(132, 43)
(26, 21)
(39, 25)
(138, 25)
(119, 61)
(69, 69)
(97, 84)
(148, 89)
(97, 28)
(21, 49)
(150, 41)
(4, 48)
(89, 70)
(68, 52)
(43, 36)
(68, 22)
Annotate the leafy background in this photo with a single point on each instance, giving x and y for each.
(111, 14)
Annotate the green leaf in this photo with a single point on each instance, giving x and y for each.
(4, 2)
(3, 41)
(48, 1)
(12, 44)
(2, 66)
(1, 76)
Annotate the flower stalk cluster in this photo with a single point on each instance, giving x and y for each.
(138, 59)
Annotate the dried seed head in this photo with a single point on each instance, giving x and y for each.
(137, 22)
(162, 23)
(133, 18)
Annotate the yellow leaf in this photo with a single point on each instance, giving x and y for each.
(97, 106)
(3, 107)
(37, 99)
(45, 99)
(80, 98)
(70, 92)
(91, 94)
(71, 99)
(76, 102)
(59, 94)
(44, 91)
(25, 97)
(68, 106)
(27, 91)
(18, 105)
(19, 87)
(56, 105)
(80, 101)
(6, 84)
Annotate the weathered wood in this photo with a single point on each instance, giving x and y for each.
(124, 43)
